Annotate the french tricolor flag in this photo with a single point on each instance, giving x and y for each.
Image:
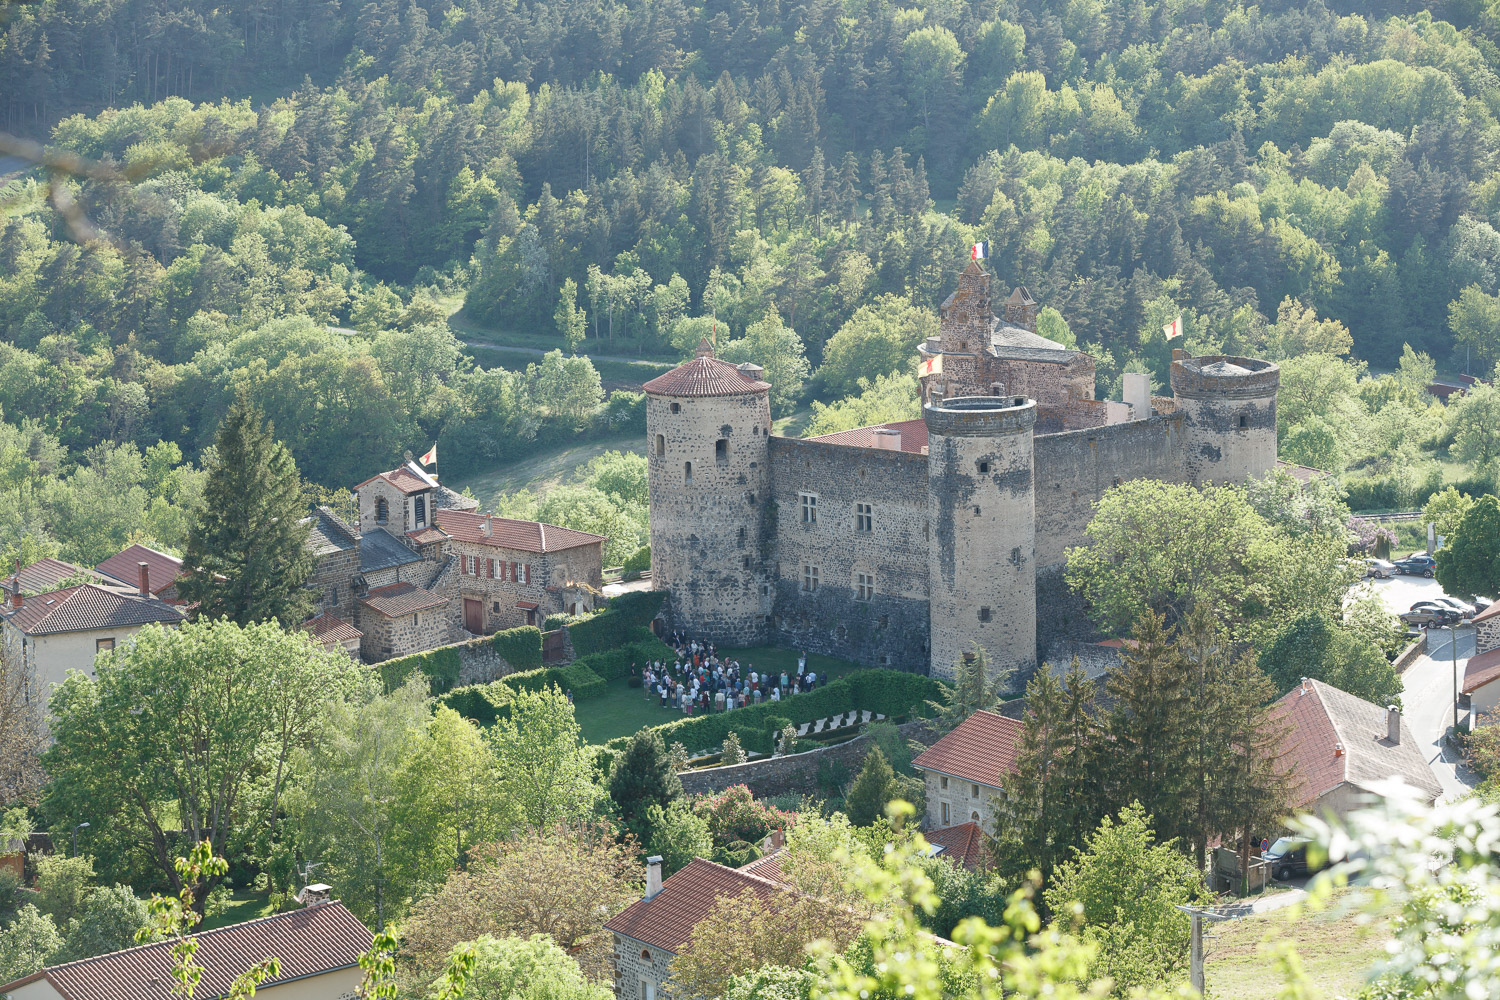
(980, 250)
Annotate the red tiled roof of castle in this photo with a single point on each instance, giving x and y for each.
(963, 843)
(704, 377)
(396, 600)
(125, 567)
(87, 607)
(913, 436)
(308, 942)
(667, 919)
(403, 478)
(981, 749)
(527, 536)
(768, 867)
(424, 536)
(329, 629)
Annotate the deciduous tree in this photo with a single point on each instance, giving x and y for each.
(1470, 562)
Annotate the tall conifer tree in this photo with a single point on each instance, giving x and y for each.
(247, 555)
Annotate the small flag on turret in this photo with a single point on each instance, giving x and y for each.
(1174, 328)
(431, 456)
(932, 366)
(980, 250)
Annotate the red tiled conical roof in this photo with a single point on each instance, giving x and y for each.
(705, 377)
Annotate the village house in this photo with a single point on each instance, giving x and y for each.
(1341, 746)
(1482, 673)
(318, 947)
(46, 635)
(963, 772)
(123, 568)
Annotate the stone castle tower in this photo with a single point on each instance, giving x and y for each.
(981, 510)
(708, 428)
(1229, 415)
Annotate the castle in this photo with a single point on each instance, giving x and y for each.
(904, 544)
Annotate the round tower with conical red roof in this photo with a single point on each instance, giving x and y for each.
(708, 428)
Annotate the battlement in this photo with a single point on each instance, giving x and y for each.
(1222, 375)
(980, 416)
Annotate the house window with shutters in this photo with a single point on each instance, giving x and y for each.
(514, 577)
(489, 568)
(420, 508)
(528, 572)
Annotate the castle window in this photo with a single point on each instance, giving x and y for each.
(1244, 421)
(809, 578)
(976, 511)
(721, 451)
(687, 472)
(985, 615)
(661, 445)
(974, 793)
(742, 538)
(984, 468)
(974, 816)
(945, 809)
(864, 586)
(103, 645)
(943, 784)
(864, 517)
(420, 507)
(809, 508)
(676, 407)
(382, 511)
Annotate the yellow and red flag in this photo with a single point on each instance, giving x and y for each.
(1174, 328)
(932, 366)
(431, 456)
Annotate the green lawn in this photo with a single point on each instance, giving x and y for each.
(248, 904)
(1337, 948)
(622, 710)
(542, 472)
(794, 424)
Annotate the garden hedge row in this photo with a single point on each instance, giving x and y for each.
(485, 703)
(520, 647)
(641, 647)
(887, 692)
(616, 625)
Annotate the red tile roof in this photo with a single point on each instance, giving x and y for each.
(424, 536)
(1302, 473)
(44, 574)
(329, 629)
(704, 377)
(1323, 718)
(913, 436)
(308, 942)
(125, 567)
(768, 867)
(87, 607)
(1482, 669)
(405, 478)
(525, 536)
(667, 920)
(395, 600)
(981, 749)
(963, 843)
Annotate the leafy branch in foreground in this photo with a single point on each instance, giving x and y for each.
(379, 965)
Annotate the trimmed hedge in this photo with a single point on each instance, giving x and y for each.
(642, 647)
(614, 626)
(439, 665)
(886, 692)
(485, 703)
(519, 647)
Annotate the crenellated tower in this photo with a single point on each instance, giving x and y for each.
(1229, 407)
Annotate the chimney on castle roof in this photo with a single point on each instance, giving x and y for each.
(143, 571)
(887, 439)
(705, 349)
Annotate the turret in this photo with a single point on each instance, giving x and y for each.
(1229, 405)
(708, 424)
(981, 512)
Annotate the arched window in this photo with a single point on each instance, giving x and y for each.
(382, 511)
(687, 472)
(661, 445)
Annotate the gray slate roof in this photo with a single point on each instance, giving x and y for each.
(1013, 342)
(329, 533)
(446, 499)
(379, 549)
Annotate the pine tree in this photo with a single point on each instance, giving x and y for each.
(974, 689)
(247, 554)
(872, 790)
(643, 777)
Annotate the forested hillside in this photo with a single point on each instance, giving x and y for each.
(314, 186)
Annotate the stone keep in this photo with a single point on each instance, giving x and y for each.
(981, 511)
(1229, 415)
(708, 424)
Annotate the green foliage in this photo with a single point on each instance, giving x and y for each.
(1445, 510)
(887, 399)
(520, 647)
(879, 339)
(642, 777)
(28, 943)
(546, 772)
(737, 821)
(776, 347)
(1470, 562)
(534, 968)
(1128, 886)
(639, 561)
(772, 982)
(974, 689)
(677, 835)
(872, 790)
(247, 556)
(1314, 646)
(109, 920)
(440, 667)
(618, 624)
(62, 883)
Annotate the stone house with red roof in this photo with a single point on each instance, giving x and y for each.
(318, 948)
(1482, 673)
(964, 771)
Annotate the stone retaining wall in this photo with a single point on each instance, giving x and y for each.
(1411, 653)
(797, 773)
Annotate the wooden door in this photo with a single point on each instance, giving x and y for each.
(474, 615)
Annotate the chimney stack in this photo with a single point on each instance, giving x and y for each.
(144, 573)
(887, 439)
(1393, 724)
(1338, 749)
(653, 876)
(315, 894)
(15, 591)
(489, 525)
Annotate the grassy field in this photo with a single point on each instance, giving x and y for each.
(623, 710)
(248, 904)
(1337, 948)
(542, 472)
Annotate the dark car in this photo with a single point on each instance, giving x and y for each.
(1431, 615)
(1288, 857)
(1417, 565)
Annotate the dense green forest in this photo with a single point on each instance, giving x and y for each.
(314, 187)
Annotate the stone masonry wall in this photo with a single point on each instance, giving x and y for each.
(799, 772)
(707, 512)
(890, 626)
(639, 965)
(550, 574)
(1487, 635)
(333, 581)
(385, 638)
(1230, 419)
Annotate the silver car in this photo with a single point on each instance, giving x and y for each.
(1380, 569)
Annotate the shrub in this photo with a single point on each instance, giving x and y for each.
(440, 666)
(642, 648)
(519, 647)
(616, 625)
(577, 678)
(639, 562)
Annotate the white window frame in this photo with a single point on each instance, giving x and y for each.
(864, 586)
(864, 518)
(811, 577)
(809, 508)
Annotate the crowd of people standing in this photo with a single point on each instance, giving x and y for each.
(698, 680)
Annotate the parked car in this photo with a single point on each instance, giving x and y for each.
(1464, 609)
(1416, 565)
(1288, 857)
(1430, 616)
(1380, 569)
